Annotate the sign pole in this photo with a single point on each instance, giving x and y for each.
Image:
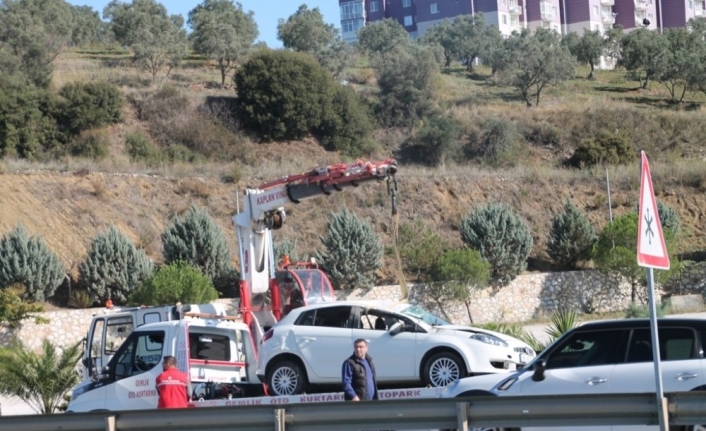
(661, 401)
(652, 253)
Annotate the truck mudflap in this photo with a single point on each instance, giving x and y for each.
(388, 394)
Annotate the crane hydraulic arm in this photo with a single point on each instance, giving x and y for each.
(263, 211)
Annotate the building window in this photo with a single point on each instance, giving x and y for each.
(555, 11)
(513, 21)
(595, 10)
(597, 27)
(434, 8)
(504, 19)
(351, 10)
(691, 4)
(407, 20)
(351, 26)
(374, 6)
(406, 3)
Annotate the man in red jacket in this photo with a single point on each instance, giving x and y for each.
(172, 386)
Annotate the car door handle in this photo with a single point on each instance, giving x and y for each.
(596, 380)
(686, 376)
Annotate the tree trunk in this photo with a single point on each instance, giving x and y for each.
(590, 74)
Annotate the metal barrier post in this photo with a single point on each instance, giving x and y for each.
(279, 419)
(462, 414)
(110, 423)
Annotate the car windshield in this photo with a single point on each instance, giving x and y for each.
(424, 315)
(317, 288)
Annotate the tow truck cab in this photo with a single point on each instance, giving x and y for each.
(217, 354)
(109, 329)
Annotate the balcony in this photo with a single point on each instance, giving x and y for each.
(640, 4)
(548, 16)
(608, 18)
(607, 2)
(638, 20)
(515, 9)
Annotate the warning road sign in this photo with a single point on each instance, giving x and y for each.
(651, 251)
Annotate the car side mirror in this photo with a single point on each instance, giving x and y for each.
(539, 368)
(397, 328)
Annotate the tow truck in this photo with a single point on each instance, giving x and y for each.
(265, 294)
(125, 347)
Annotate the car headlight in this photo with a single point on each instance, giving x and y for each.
(489, 339)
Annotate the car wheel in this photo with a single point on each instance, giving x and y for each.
(286, 378)
(443, 369)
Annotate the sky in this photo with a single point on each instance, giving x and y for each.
(267, 12)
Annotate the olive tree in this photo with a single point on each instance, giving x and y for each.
(222, 31)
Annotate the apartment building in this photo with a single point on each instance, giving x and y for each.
(564, 16)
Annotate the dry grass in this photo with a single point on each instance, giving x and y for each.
(142, 197)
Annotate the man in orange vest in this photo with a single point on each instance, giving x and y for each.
(172, 386)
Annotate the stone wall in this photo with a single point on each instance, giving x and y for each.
(528, 296)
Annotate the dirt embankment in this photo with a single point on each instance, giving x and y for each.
(69, 209)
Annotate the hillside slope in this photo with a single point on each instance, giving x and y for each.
(69, 209)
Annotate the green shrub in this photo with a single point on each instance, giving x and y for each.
(502, 238)
(27, 126)
(195, 239)
(88, 105)
(113, 267)
(91, 145)
(282, 95)
(638, 311)
(353, 251)
(177, 282)
(604, 149)
(13, 310)
(571, 237)
(166, 103)
(29, 262)
(140, 148)
(456, 272)
(497, 142)
(405, 78)
(419, 248)
(435, 138)
(346, 127)
(180, 153)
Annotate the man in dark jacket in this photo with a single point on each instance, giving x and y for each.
(359, 382)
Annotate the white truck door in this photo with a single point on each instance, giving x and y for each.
(324, 340)
(394, 355)
(134, 370)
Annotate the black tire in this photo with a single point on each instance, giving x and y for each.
(286, 377)
(443, 368)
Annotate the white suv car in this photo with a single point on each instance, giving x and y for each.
(309, 345)
(606, 357)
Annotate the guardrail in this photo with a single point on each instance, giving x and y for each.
(685, 408)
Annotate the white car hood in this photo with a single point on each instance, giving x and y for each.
(463, 330)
